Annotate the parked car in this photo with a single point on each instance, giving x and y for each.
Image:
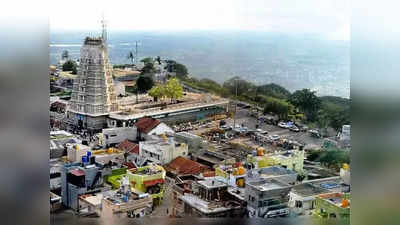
(294, 128)
(315, 133)
(275, 137)
(284, 125)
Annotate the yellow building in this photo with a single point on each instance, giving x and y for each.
(148, 179)
(293, 160)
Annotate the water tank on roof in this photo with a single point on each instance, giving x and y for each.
(84, 159)
(260, 152)
(241, 170)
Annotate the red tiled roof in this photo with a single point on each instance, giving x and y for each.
(148, 183)
(209, 173)
(183, 166)
(129, 147)
(130, 165)
(146, 124)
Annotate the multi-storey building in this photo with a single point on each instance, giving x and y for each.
(93, 96)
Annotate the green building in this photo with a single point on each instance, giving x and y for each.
(332, 205)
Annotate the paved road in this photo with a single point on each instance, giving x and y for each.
(167, 203)
(243, 117)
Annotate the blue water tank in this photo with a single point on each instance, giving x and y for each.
(89, 153)
(84, 159)
(125, 198)
(254, 152)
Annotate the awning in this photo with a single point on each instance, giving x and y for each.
(153, 182)
(77, 172)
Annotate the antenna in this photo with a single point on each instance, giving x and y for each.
(104, 28)
(136, 54)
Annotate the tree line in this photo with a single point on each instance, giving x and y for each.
(274, 99)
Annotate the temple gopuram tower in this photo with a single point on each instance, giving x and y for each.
(93, 96)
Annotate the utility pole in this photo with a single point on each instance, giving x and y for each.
(136, 62)
(136, 54)
(234, 116)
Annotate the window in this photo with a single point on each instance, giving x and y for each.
(299, 204)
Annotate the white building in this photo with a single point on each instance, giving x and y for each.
(113, 136)
(162, 150)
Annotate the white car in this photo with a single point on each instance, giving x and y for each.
(275, 137)
(283, 125)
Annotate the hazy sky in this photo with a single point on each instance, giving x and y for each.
(329, 18)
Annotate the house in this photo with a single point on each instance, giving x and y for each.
(147, 126)
(293, 160)
(113, 136)
(267, 198)
(80, 179)
(58, 142)
(162, 150)
(211, 199)
(278, 172)
(184, 166)
(332, 205)
(212, 159)
(182, 184)
(129, 147)
(302, 197)
(194, 142)
(148, 179)
(120, 203)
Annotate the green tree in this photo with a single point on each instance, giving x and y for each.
(243, 86)
(148, 69)
(307, 102)
(69, 65)
(173, 89)
(157, 92)
(144, 83)
(147, 60)
(273, 90)
(181, 71)
(278, 107)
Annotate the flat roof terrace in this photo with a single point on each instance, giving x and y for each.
(267, 184)
(170, 109)
(211, 183)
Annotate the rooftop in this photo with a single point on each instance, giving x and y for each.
(267, 184)
(146, 124)
(129, 147)
(213, 156)
(212, 183)
(146, 170)
(307, 189)
(201, 205)
(174, 109)
(335, 199)
(182, 165)
(275, 171)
